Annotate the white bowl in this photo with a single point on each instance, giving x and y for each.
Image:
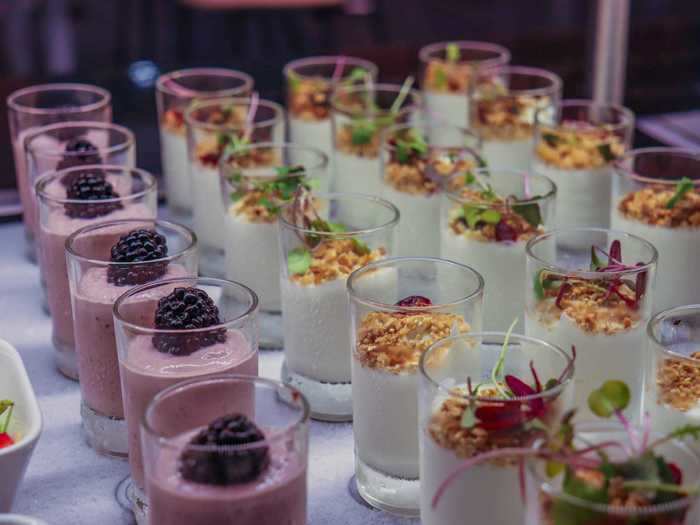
(26, 420)
(16, 519)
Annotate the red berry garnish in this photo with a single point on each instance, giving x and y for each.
(505, 232)
(676, 473)
(415, 300)
(6, 440)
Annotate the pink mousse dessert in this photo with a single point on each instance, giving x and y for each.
(72, 199)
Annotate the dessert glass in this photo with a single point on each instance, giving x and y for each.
(547, 503)
(37, 106)
(275, 495)
(315, 266)
(447, 72)
(215, 126)
(672, 387)
(416, 161)
(175, 91)
(580, 293)
(96, 281)
(502, 107)
(145, 370)
(59, 216)
(576, 146)
(487, 218)
(310, 84)
(360, 114)
(656, 195)
(422, 301)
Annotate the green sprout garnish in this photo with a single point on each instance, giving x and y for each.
(298, 261)
(452, 53)
(497, 372)
(407, 148)
(683, 187)
(275, 191)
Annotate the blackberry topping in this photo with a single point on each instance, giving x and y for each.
(138, 246)
(225, 467)
(79, 151)
(92, 187)
(185, 309)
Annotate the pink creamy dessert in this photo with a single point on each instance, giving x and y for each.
(277, 496)
(145, 371)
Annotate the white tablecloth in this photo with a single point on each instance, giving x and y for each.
(67, 483)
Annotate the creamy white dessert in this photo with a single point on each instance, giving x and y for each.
(176, 167)
(674, 232)
(309, 113)
(445, 87)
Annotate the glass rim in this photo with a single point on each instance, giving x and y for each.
(192, 281)
(520, 338)
(221, 72)
(659, 317)
(173, 226)
(43, 180)
(321, 157)
(551, 194)
(199, 104)
(398, 261)
(555, 80)
(414, 94)
(128, 135)
(337, 196)
(626, 115)
(14, 105)
(621, 170)
(323, 60)
(228, 378)
(428, 124)
(502, 54)
(601, 427)
(587, 274)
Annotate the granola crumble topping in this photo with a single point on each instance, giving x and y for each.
(678, 382)
(309, 99)
(250, 206)
(506, 118)
(576, 146)
(648, 205)
(447, 77)
(413, 177)
(335, 258)
(174, 121)
(395, 341)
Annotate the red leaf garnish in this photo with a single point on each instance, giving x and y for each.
(505, 232)
(615, 253)
(522, 389)
(538, 384)
(210, 159)
(676, 472)
(6, 440)
(414, 300)
(499, 416)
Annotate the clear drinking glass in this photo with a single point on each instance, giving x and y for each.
(96, 281)
(576, 145)
(175, 92)
(487, 218)
(417, 159)
(37, 106)
(672, 387)
(447, 72)
(546, 499)
(315, 266)
(152, 359)
(399, 307)
(215, 126)
(656, 195)
(265, 483)
(133, 196)
(593, 289)
(502, 107)
(360, 114)
(454, 374)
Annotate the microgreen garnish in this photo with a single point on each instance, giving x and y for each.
(356, 75)
(8, 406)
(411, 147)
(298, 261)
(273, 191)
(683, 187)
(606, 152)
(294, 80)
(551, 139)
(452, 53)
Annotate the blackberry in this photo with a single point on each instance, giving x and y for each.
(79, 151)
(185, 309)
(414, 300)
(138, 246)
(225, 467)
(91, 187)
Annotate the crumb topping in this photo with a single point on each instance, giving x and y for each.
(576, 146)
(174, 121)
(309, 98)
(678, 382)
(447, 77)
(648, 205)
(506, 118)
(347, 141)
(424, 176)
(395, 341)
(334, 259)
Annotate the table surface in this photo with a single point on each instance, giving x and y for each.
(67, 482)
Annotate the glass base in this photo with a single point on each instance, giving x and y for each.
(270, 324)
(398, 496)
(211, 262)
(30, 247)
(66, 360)
(137, 500)
(329, 401)
(106, 435)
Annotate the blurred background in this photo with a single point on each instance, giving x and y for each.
(123, 45)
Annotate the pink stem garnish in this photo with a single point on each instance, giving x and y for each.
(250, 117)
(569, 365)
(338, 71)
(631, 432)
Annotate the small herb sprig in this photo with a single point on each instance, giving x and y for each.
(273, 192)
(683, 187)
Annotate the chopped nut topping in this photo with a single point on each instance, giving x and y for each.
(506, 118)
(591, 307)
(334, 259)
(254, 158)
(344, 142)
(413, 177)
(395, 341)
(648, 205)
(208, 150)
(678, 382)
(174, 122)
(309, 99)
(577, 146)
(447, 77)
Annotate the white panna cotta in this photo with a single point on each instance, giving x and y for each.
(173, 147)
(508, 155)
(315, 133)
(208, 207)
(356, 173)
(420, 221)
(445, 85)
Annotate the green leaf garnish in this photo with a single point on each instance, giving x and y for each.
(611, 397)
(469, 178)
(237, 195)
(551, 139)
(299, 261)
(452, 53)
(440, 80)
(361, 247)
(294, 81)
(6, 405)
(565, 513)
(692, 431)
(283, 171)
(530, 212)
(490, 216)
(683, 187)
(405, 148)
(356, 75)
(596, 264)
(362, 132)
(606, 152)
(270, 206)
(468, 418)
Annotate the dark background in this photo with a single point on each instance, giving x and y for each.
(123, 44)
